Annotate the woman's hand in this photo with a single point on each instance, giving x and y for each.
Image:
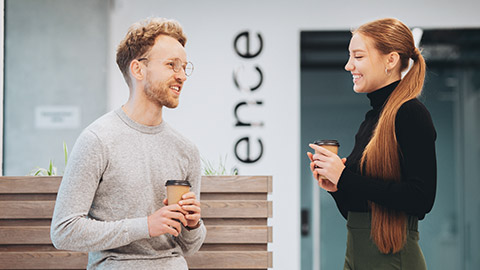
(323, 183)
(327, 164)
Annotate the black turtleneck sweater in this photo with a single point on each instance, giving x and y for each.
(416, 135)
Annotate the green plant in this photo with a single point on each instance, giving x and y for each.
(65, 152)
(52, 170)
(210, 169)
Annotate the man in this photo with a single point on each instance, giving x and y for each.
(111, 202)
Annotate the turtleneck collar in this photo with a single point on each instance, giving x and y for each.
(378, 97)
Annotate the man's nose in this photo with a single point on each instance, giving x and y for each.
(180, 75)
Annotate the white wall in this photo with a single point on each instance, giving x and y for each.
(205, 114)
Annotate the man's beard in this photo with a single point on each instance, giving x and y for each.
(160, 95)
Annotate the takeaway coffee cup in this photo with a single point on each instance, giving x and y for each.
(331, 145)
(175, 190)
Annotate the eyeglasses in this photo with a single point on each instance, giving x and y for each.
(176, 65)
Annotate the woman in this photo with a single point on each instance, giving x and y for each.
(388, 182)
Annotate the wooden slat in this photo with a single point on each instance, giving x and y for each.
(236, 209)
(215, 235)
(28, 248)
(78, 260)
(26, 209)
(26, 222)
(210, 209)
(236, 184)
(230, 260)
(234, 247)
(25, 235)
(210, 184)
(232, 196)
(43, 260)
(238, 234)
(28, 197)
(236, 221)
(30, 184)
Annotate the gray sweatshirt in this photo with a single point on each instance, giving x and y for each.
(115, 178)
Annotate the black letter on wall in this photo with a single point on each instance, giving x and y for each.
(252, 88)
(247, 159)
(241, 123)
(247, 53)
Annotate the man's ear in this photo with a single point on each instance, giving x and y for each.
(393, 59)
(136, 70)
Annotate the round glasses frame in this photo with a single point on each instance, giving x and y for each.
(176, 65)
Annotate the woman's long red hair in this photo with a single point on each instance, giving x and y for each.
(381, 157)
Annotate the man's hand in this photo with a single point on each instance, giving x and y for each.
(167, 220)
(190, 204)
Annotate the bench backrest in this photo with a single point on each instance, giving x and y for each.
(235, 210)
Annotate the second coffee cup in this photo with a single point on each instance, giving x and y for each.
(176, 189)
(331, 145)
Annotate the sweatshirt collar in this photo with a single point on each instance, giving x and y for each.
(137, 126)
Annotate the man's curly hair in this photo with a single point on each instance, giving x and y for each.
(141, 37)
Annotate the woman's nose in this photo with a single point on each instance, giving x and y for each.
(348, 65)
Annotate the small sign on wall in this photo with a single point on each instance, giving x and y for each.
(57, 117)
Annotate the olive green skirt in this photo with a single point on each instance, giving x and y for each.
(363, 254)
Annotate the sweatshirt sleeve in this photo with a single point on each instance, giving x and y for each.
(415, 193)
(190, 240)
(71, 227)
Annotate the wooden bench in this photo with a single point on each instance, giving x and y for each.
(235, 210)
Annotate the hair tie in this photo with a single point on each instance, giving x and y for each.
(415, 54)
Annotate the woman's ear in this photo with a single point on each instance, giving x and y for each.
(393, 59)
(136, 70)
